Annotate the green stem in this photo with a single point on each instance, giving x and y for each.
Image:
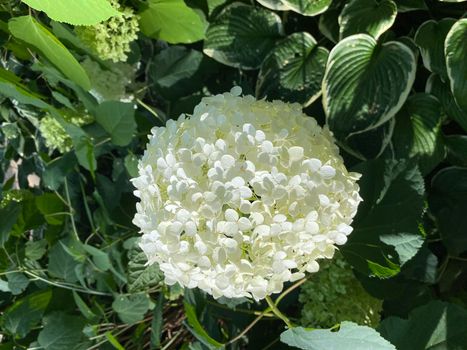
(277, 312)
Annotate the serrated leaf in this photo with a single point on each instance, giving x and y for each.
(455, 48)
(430, 38)
(172, 21)
(293, 71)
(418, 131)
(131, 308)
(365, 85)
(76, 12)
(17, 282)
(405, 244)
(242, 36)
(118, 119)
(367, 16)
(61, 264)
(309, 7)
(25, 313)
(448, 202)
(62, 331)
(140, 276)
(29, 30)
(349, 336)
(36, 249)
(447, 325)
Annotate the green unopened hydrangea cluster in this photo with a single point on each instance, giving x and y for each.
(109, 84)
(111, 39)
(54, 134)
(334, 295)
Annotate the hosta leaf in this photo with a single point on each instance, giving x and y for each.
(172, 21)
(456, 146)
(365, 84)
(418, 131)
(274, 4)
(131, 308)
(367, 16)
(349, 336)
(27, 29)
(140, 276)
(76, 12)
(410, 5)
(438, 88)
(293, 71)
(62, 331)
(242, 36)
(448, 202)
(455, 48)
(118, 119)
(430, 38)
(329, 23)
(309, 7)
(447, 325)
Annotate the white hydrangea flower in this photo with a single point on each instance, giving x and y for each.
(242, 197)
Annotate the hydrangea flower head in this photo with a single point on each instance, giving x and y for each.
(242, 196)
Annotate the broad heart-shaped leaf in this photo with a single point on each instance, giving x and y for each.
(392, 192)
(455, 48)
(62, 331)
(118, 119)
(293, 71)
(61, 264)
(410, 5)
(172, 21)
(27, 29)
(76, 12)
(367, 16)
(441, 91)
(456, 146)
(448, 202)
(308, 7)
(437, 325)
(405, 244)
(242, 36)
(25, 313)
(430, 38)
(418, 131)
(131, 308)
(277, 5)
(365, 84)
(350, 336)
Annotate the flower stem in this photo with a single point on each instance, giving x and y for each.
(277, 312)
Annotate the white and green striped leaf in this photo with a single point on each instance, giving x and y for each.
(309, 7)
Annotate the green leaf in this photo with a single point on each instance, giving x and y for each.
(418, 131)
(197, 329)
(112, 340)
(405, 244)
(9, 215)
(448, 202)
(277, 5)
(349, 336)
(437, 325)
(141, 276)
(83, 307)
(17, 282)
(293, 71)
(100, 258)
(52, 207)
(24, 314)
(172, 21)
(118, 119)
(456, 146)
(365, 85)
(242, 36)
(329, 22)
(367, 16)
(36, 249)
(157, 322)
(131, 308)
(410, 5)
(455, 48)
(62, 264)
(76, 12)
(62, 331)
(11, 87)
(56, 171)
(29, 30)
(438, 88)
(430, 38)
(309, 7)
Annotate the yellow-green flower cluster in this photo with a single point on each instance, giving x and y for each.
(111, 39)
(54, 134)
(12, 196)
(334, 295)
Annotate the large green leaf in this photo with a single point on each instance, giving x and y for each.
(11, 87)
(456, 146)
(131, 308)
(455, 48)
(430, 38)
(62, 331)
(448, 201)
(29, 30)
(437, 325)
(274, 4)
(24, 314)
(365, 84)
(350, 336)
(62, 264)
(294, 70)
(9, 215)
(76, 12)
(118, 119)
(140, 276)
(308, 7)
(410, 5)
(367, 16)
(172, 21)
(406, 244)
(438, 88)
(418, 131)
(242, 36)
